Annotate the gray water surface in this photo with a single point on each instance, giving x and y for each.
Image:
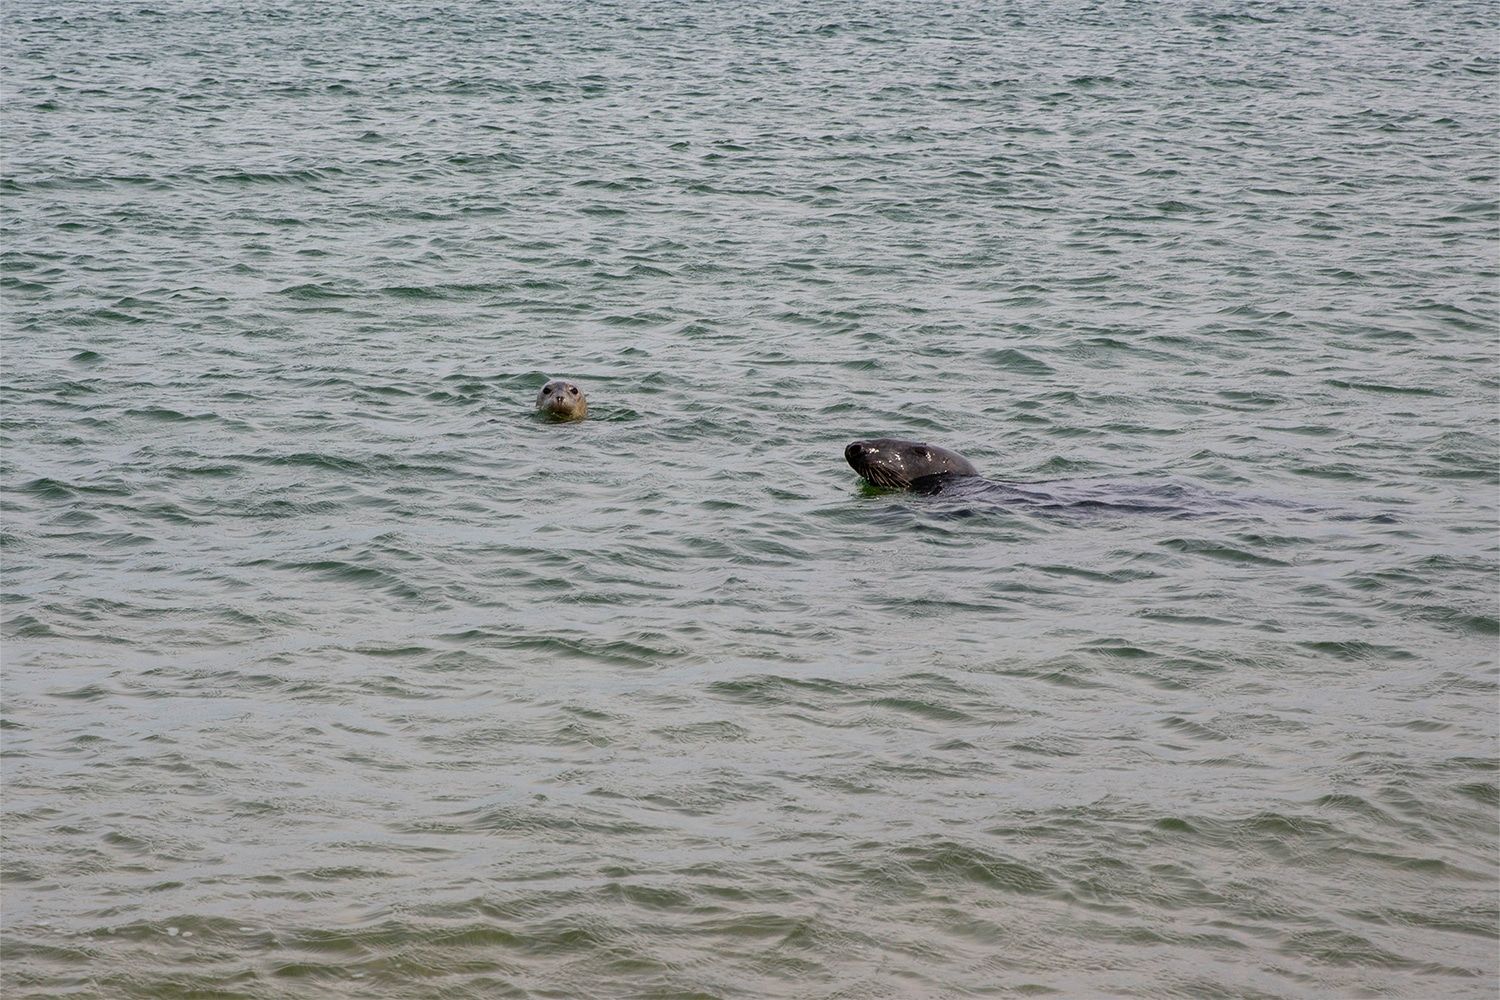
(330, 671)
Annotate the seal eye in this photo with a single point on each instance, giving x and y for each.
(573, 389)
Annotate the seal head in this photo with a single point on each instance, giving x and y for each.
(562, 400)
(895, 464)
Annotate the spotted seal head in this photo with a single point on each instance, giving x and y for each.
(896, 464)
(562, 400)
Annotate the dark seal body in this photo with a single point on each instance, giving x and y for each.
(897, 464)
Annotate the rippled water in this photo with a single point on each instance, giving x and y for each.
(329, 670)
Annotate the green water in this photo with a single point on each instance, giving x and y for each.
(330, 671)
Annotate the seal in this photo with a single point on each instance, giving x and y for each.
(897, 464)
(925, 468)
(562, 400)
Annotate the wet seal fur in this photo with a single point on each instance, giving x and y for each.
(897, 464)
(560, 399)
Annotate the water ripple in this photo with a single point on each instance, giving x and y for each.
(329, 669)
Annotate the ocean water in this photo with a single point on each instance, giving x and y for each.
(328, 670)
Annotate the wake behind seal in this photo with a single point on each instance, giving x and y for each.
(561, 400)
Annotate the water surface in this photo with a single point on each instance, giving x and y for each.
(330, 671)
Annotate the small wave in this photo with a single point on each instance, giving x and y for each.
(413, 292)
(314, 291)
(949, 859)
(1395, 390)
(48, 489)
(309, 459)
(1013, 360)
(1356, 650)
(167, 415)
(921, 708)
(770, 689)
(1219, 551)
(303, 176)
